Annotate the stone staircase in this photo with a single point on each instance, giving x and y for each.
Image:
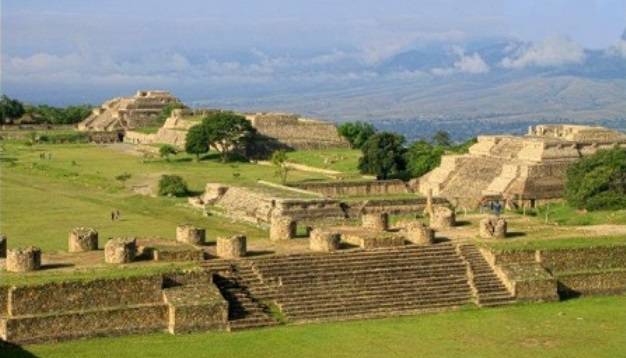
(489, 289)
(360, 284)
(245, 310)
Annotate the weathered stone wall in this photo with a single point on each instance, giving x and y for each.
(530, 282)
(196, 307)
(4, 300)
(78, 295)
(592, 283)
(584, 258)
(106, 322)
(355, 188)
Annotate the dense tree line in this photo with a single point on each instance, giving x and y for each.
(386, 155)
(12, 110)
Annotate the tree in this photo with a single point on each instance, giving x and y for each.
(196, 141)
(383, 156)
(10, 109)
(279, 159)
(423, 157)
(442, 138)
(166, 112)
(357, 133)
(227, 132)
(598, 181)
(166, 150)
(172, 185)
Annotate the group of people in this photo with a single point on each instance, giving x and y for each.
(115, 215)
(493, 206)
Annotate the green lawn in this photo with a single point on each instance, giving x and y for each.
(41, 199)
(589, 327)
(342, 160)
(564, 243)
(563, 214)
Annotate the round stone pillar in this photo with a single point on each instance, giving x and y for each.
(493, 227)
(190, 234)
(442, 218)
(82, 239)
(419, 234)
(375, 221)
(231, 247)
(23, 259)
(324, 240)
(282, 228)
(120, 250)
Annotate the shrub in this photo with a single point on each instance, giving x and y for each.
(172, 185)
(598, 181)
(166, 150)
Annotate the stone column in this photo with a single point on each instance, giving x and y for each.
(23, 259)
(375, 221)
(493, 227)
(282, 228)
(189, 234)
(3, 246)
(324, 240)
(82, 239)
(443, 218)
(419, 234)
(232, 247)
(120, 250)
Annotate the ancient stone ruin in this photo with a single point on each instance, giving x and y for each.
(375, 221)
(23, 259)
(418, 233)
(189, 234)
(123, 113)
(82, 239)
(231, 247)
(120, 250)
(492, 227)
(282, 228)
(443, 218)
(520, 170)
(322, 240)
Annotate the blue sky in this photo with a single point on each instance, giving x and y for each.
(94, 49)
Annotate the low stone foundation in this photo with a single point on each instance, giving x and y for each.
(82, 239)
(232, 247)
(23, 259)
(367, 239)
(195, 308)
(324, 240)
(189, 234)
(120, 250)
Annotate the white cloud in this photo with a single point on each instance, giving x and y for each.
(472, 64)
(553, 51)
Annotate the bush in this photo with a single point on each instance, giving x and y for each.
(598, 181)
(166, 150)
(172, 185)
(423, 157)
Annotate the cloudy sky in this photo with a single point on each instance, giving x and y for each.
(67, 51)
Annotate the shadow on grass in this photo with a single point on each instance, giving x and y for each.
(463, 223)
(11, 350)
(515, 234)
(55, 266)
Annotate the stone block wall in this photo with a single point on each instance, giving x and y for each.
(355, 188)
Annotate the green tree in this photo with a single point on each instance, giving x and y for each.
(172, 185)
(279, 159)
(10, 109)
(598, 181)
(442, 138)
(383, 156)
(196, 141)
(227, 133)
(357, 133)
(166, 112)
(423, 157)
(166, 150)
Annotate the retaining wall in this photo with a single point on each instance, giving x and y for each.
(355, 188)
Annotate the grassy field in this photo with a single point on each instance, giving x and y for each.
(41, 199)
(341, 160)
(575, 328)
(563, 214)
